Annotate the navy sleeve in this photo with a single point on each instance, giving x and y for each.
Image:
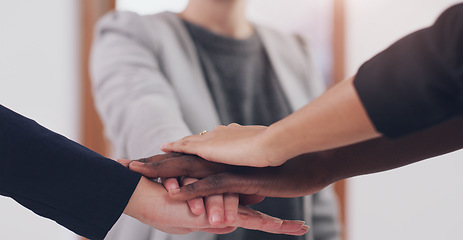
(418, 81)
(60, 179)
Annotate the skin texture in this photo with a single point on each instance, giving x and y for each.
(151, 204)
(307, 173)
(335, 119)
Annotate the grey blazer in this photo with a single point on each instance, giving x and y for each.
(149, 89)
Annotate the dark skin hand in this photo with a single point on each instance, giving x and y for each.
(305, 174)
(281, 181)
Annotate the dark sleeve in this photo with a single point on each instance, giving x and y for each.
(418, 81)
(60, 179)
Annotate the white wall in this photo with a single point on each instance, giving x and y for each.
(422, 201)
(39, 78)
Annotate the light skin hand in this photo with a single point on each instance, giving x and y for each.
(221, 144)
(335, 119)
(151, 205)
(220, 208)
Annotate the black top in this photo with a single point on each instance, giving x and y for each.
(246, 90)
(60, 179)
(418, 81)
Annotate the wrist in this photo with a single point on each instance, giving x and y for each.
(132, 208)
(276, 144)
(145, 192)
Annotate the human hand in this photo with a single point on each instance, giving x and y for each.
(221, 208)
(233, 144)
(303, 175)
(151, 205)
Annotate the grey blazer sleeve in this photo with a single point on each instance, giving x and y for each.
(136, 102)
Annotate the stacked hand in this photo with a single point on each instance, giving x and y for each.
(151, 203)
(287, 180)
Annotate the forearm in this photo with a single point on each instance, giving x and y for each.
(60, 179)
(382, 154)
(317, 126)
(399, 100)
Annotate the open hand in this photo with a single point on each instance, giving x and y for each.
(233, 144)
(151, 205)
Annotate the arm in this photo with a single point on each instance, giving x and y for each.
(261, 146)
(60, 179)
(86, 193)
(308, 173)
(412, 85)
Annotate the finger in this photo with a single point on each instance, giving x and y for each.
(196, 205)
(187, 144)
(171, 184)
(144, 167)
(181, 165)
(251, 219)
(231, 202)
(158, 157)
(217, 184)
(247, 200)
(215, 210)
(291, 226)
(124, 162)
(224, 230)
(167, 147)
(233, 125)
(303, 230)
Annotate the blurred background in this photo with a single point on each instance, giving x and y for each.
(43, 75)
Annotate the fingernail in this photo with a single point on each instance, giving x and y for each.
(172, 187)
(279, 221)
(216, 218)
(163, 145)
(136, 164)
(174, 190)
(305, 227)
(299, 222)
(230, 218)
(198, 205)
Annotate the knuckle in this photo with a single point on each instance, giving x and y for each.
(173, 155)
(184, 143)
(186, 163)
(191, 188)
(214, 181)
(220, 127)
